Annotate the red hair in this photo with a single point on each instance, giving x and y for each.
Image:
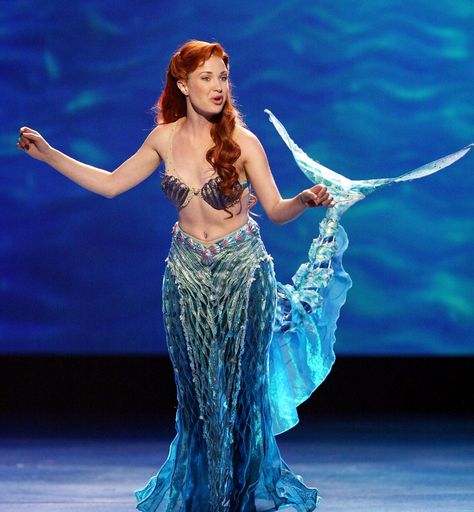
(171, 106)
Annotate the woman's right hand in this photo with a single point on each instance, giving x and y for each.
(33, 144)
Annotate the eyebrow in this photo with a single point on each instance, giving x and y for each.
(221, 73)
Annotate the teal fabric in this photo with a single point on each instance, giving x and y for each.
(302, 348)
(219, 305)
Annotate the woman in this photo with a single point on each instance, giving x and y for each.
(219, 289)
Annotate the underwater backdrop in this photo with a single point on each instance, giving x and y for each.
(370, 89)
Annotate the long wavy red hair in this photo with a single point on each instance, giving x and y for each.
(171, 106)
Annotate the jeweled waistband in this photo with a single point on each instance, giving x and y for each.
(249, 230)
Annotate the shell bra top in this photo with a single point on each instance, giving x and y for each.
(179, 193)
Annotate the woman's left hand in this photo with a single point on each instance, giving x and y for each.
(316, 196)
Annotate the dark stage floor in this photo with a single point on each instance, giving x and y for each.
(409, 464)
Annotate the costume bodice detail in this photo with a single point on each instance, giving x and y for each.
(180, 193)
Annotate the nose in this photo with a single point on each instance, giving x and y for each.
(218, 85)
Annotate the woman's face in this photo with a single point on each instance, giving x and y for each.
(207, 87)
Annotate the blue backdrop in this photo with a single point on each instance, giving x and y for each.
(369, 89)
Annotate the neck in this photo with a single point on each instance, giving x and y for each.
(197, 125)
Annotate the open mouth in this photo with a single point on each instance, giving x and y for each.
(218, 100)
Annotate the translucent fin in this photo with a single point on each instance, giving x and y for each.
(343, 188)
(301, 350)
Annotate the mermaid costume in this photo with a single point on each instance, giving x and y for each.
(247, 350)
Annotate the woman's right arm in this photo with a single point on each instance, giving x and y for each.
(108, 184)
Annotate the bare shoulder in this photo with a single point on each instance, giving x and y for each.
(158, 138)
(249, 143)
(244, 137)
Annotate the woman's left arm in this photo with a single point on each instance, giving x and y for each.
(278, 210)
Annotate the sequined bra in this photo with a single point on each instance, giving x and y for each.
(179, 193)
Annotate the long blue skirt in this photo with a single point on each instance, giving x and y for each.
(219, 303)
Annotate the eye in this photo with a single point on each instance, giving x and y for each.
(205, 78)
(224, 78)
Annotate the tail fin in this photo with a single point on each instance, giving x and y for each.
(301, 353)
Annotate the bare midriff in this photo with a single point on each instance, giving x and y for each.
(199, 220)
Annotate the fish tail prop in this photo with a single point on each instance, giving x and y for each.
(301, 353)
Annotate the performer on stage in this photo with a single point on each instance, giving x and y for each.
(246, 350)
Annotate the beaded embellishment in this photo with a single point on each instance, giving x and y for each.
(207, 251)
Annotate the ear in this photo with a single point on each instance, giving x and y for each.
(182, 87)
